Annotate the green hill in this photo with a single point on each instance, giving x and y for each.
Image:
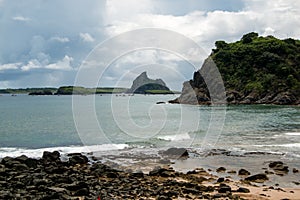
(262, 70)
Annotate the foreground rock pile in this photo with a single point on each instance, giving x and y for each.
(51, 178)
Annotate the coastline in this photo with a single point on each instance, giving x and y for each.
(79, 177)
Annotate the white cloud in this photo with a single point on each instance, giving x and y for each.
(64, 64)
(32, 64)
(280, 17)
(21, 18)
(61, 39)
(10, 66)
(86, 37)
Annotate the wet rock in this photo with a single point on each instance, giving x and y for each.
(220, 180)
(221, 169)
(82, 192)
(180, 152)
(138, 174)
(112, 175)
(231, 172)
(279, 168)
(19, 167)
(243, 190)
(78, 159)
(258, 178)
(243, 172)
(51, 156)
(224, 188)
(295, 170)
(296, 183)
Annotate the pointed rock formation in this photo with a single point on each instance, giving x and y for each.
(142, 84)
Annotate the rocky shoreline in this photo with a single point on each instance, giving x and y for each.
(77, 178)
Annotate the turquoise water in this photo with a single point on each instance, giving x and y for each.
(35, 122)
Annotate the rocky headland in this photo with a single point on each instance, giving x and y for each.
(255, 70)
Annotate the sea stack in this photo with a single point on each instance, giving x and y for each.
(144, 85)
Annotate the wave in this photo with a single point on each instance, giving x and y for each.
(177, 137)
(37, 153)
(293, 134)
(290, 145)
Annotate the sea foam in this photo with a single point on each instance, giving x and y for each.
(37, 153)
(293, 134)
(177, 137)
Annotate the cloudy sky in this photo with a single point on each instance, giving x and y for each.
(44, 43)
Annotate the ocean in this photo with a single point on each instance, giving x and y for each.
(118, 123)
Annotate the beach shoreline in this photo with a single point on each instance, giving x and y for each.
(181, 178)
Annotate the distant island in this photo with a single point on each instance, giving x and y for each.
(255, 70)
(141, 85)
(144, 85)
(64, 90)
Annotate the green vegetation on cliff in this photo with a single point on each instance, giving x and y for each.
(255, 70)
(259, 64)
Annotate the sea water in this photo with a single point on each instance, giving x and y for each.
(32, 124)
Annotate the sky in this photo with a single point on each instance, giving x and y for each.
(44, 43)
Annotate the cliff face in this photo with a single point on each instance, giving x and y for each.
(142, 84)
(255, 70)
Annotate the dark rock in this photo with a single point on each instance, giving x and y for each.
(39, 182)
(243, 190)
(224, 188)
(279, 168)
(138, 174)
(243, 172)
(112, 175)
(163, 198)
(82, 192)
(20, 167)
(156, 171)
(275, 164)
(160, 102)
(259, 178)
(190, 191)
(180, 152)
(51, 156)
(30, 162)
(78, 159)
(6, 159)
(295, 170)
(9, 162)
(220, 180)
(284, 98)
(231, 172)
(76, 186)
(221, 169)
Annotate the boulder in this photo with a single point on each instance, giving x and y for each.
(243, 172)
(258, 178)
(78, 159)
(221, 169)
(279, 167)
(224, 188)
(51, 156)
(180, 152)
(243, 190)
